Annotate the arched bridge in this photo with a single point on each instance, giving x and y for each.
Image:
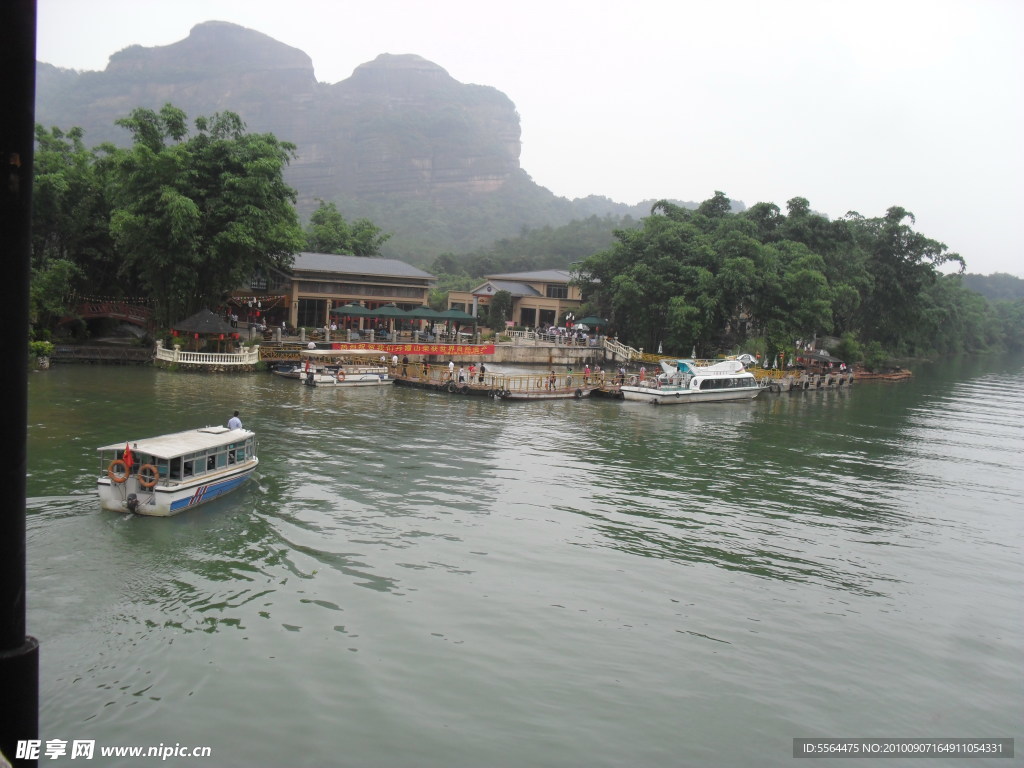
(116, 310)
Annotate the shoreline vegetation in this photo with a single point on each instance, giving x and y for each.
(192, 211)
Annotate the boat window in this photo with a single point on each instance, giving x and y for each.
(187, 469)
(211, 462)
(222, 460)
(175, 472)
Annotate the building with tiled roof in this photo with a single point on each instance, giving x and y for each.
(539, 298)
(319, 282)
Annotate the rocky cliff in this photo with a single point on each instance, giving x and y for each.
(430, 159)
(399, 125)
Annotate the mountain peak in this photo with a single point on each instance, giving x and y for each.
(214, 47)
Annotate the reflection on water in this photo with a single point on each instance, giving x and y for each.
(434, 580)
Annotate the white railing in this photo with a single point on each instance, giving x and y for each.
(550, 338)
(248, 356)
(624, 352)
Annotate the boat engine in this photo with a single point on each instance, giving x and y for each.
(132, 502)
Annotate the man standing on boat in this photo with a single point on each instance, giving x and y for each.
(234, 422)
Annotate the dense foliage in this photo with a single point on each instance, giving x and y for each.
(178, 219)
(328, 232)
(710, 279)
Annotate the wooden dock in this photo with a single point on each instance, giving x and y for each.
(502, 386)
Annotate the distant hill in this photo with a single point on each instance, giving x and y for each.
(427, 158)
(999, 285)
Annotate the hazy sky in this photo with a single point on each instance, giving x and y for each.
(854, 105)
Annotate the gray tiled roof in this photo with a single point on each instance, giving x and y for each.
(516, 289)
(544, 275)
(358, 265)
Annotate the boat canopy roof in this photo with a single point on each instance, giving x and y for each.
(180, 443)
(329, 353)
(719, 368)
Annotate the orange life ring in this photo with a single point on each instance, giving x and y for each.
(148, 475)
(117, 470)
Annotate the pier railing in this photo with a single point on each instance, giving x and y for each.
(540, 382)
(550, 338)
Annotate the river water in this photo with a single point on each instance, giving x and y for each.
(422, 579)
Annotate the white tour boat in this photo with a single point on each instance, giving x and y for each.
(165, 475)
(687, 381)
(343, 368)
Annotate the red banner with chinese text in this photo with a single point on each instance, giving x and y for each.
(423, 349)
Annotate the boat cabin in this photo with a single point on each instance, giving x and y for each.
(352, 360)
(185, 456)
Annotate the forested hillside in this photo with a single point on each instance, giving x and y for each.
(713, 279)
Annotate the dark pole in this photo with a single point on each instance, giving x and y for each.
(19, 653)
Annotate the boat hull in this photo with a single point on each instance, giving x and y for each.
(683, 396)
(165, 499)
(350, 380)
(564, 393)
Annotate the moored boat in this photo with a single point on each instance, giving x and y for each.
(686, 381)
(287, 370)
(162, 476)
(343, 368)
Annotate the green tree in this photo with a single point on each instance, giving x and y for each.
(659, 282)
(71, 214)
(196, 217)
(328, 232)
(902, 265)
(499, 310)
(848, 349)
(50, 291)
(367, 238)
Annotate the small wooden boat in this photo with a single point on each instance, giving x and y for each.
(890, 374)
(162, 476)
(287, 370)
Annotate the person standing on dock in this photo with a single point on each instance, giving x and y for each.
(405, 365)
(451, 370)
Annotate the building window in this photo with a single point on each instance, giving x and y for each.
(312, 312)
(558, 291)
(528, 317)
